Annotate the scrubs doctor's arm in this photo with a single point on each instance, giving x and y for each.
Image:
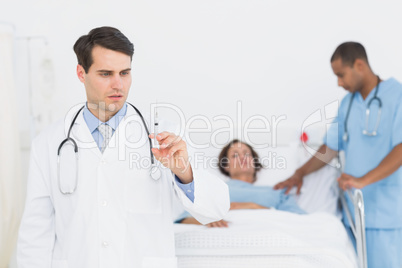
(388, 165)
(37, 232)
(322, 157)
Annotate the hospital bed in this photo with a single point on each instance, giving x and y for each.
(358, 224)
(270, 238)
(264, 238)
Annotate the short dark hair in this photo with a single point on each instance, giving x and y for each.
(223, 157)
(107, 37)
(348, 52)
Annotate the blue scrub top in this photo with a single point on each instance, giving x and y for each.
(383, 199)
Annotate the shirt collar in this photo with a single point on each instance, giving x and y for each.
(371, 94)
(93, 122)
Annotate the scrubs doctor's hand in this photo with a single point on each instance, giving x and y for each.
(347, 181)
(296, 180)
(172, 153)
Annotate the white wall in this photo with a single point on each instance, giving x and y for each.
(203, 56)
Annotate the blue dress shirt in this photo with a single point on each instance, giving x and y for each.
(93, 122)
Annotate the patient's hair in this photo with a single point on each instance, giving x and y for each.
(223, 157)
(106, 37)
(348, 52)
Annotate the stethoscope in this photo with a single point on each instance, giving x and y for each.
(155, 172)
(365, 131)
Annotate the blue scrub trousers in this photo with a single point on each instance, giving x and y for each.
(384, 247)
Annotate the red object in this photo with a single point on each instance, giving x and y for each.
(304, 137)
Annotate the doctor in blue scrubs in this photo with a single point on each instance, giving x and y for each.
(373, 151)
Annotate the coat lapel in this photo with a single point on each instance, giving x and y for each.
(130, 136)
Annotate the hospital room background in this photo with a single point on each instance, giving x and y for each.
(258, 65)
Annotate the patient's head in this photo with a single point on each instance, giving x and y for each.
(238, 160)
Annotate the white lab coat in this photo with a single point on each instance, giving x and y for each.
(118, 216)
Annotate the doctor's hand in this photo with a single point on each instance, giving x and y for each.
(347, 181)
(296, 180)
(172, 153)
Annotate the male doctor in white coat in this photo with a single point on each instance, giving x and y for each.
(114, 214)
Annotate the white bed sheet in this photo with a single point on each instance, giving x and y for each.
(257, 238)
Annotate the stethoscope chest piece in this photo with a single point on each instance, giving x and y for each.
(155, 172)
(345, 137)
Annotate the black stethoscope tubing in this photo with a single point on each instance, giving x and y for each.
(346, 134)
(75, 143)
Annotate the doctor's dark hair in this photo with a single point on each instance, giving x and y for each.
(349, 52)
(106, 37)
(224, 161)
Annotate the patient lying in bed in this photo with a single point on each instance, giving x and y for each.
(240, 163)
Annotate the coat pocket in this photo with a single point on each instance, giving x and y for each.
(59, 264)
(157, 262)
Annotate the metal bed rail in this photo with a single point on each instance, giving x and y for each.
(358, 226)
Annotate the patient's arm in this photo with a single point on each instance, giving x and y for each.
(191, 220)
(223, 223)
(246, 205)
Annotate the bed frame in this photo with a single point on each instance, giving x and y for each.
(357, 226)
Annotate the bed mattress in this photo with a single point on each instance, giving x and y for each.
(266, 238)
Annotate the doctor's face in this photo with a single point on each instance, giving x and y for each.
(107, 82)
(349, 77)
